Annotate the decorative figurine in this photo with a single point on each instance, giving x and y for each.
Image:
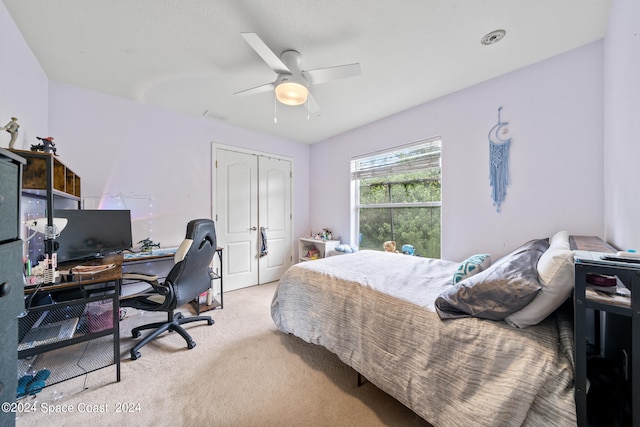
(12, 128)
(326, 234)
(47, 145)
(148, 245)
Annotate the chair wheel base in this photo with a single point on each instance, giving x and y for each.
(174, 324)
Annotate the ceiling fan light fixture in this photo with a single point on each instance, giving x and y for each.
(291, 93)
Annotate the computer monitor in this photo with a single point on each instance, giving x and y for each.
(92, 233)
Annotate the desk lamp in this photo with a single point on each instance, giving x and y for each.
(50, 232)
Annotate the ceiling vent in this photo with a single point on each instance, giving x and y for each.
(493, 37)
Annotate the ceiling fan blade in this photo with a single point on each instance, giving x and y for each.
(265, 53)
(322, 75)
(314, 108)
(258, 89)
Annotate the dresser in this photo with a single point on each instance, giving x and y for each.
(11, 278)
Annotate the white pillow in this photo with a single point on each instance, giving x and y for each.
(556, 275)
(560, 240)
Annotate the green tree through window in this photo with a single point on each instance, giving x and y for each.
(398, 197)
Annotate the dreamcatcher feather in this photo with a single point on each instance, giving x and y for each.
(499, 162)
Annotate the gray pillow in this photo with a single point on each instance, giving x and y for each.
(505, 287)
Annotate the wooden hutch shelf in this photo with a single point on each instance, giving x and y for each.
(47, 184)
(44, 171)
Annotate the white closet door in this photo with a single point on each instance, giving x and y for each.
(253, 191)
(274, 192)
(237, 201)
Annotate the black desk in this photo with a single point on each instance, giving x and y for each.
(630, 276)
(84, 312)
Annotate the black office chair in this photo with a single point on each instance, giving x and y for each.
(188, 278)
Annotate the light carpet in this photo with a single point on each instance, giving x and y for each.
(242, 372)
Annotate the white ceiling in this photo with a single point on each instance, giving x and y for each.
(189, 56)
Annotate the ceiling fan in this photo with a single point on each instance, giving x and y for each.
(291, 87)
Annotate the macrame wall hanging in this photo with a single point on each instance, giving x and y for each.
(499, 161)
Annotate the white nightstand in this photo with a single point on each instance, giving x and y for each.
(307, 244)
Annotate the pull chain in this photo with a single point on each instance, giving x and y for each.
(275, 110)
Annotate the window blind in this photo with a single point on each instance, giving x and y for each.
(420, 156)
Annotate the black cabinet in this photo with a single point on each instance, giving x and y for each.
(613, 310)
(11, 278)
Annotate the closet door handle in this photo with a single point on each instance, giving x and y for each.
(253, 229)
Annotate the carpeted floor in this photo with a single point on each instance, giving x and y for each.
(242, 372)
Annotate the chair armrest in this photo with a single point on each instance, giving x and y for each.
(139, 276)
(161, 288)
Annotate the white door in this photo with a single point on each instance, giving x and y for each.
(253, 191)
(237, 218)
(274, 210)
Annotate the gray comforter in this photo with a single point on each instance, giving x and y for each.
(375, 311)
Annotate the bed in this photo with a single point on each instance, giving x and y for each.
(411, 329)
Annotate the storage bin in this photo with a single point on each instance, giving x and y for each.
(99, 316)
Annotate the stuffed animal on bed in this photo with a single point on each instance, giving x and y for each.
(408, 250)
(390, 246)
(347, 249)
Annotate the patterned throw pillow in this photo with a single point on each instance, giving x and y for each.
(470, 266)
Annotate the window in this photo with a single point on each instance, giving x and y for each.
(397, 197)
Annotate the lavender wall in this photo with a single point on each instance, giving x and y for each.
(622, 125)
(555, 111)
(153, 161)
(129, 155)
(23, 86)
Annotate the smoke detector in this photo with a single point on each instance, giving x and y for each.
(493, 37)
